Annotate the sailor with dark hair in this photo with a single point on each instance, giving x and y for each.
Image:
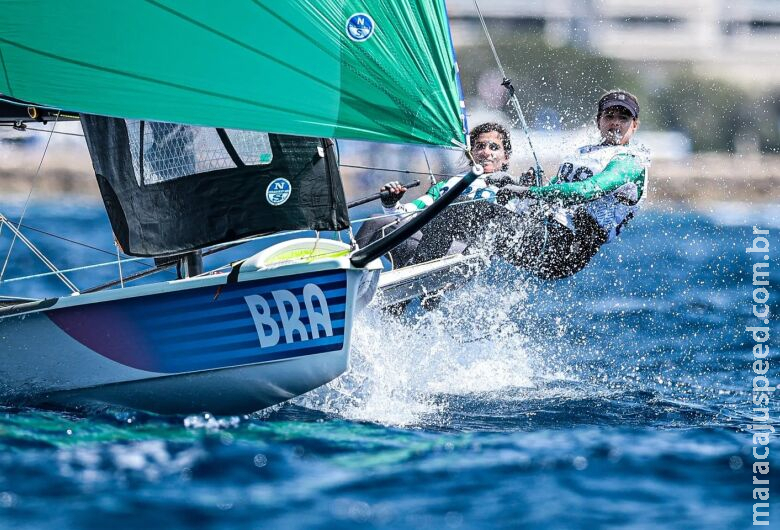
(596, 191)
(491, 148)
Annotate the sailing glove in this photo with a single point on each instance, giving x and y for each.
(512, 191)
(391, 193)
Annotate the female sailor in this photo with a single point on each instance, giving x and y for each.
(596, 191)
(491, 148)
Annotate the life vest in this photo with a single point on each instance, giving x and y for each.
(613, 210)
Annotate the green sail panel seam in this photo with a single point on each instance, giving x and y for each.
(297, 30)
(5, 72)
(241, 44)
(320, 47)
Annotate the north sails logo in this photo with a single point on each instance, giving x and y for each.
(278, 191)
(360, 27)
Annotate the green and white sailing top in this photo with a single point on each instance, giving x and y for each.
(480, 189)
(608, 181)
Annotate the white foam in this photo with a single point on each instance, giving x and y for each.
(403, 372)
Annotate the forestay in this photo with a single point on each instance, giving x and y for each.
(368, 70)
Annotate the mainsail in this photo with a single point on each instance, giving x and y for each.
(357, 69)
(170, 188)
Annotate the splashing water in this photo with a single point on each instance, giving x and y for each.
(404, 370)
(621, 394)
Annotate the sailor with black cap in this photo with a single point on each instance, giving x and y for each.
(618, 117)
(597, 189)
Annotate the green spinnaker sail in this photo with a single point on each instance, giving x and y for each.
(357, 69)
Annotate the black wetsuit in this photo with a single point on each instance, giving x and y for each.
(530, 241)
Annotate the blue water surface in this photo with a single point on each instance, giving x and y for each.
(619, 398)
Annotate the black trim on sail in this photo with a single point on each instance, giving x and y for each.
(142, 131)
(231, 151)
(16, 111)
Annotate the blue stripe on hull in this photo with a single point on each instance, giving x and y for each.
(231, 298)
(203, 328)
(208, 327)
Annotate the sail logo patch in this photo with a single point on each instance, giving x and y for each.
(278, 191)
(360, 27)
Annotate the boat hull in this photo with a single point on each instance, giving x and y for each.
(237, 390)
(424, 279)
(202, 344)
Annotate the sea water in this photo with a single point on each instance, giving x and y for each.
(618, 398)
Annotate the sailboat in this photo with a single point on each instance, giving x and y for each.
(208, 123)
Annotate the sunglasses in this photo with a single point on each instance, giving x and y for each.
(493, 146)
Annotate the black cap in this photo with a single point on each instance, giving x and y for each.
(618, 98)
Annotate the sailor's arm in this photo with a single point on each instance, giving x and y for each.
(391, 205)
(620, 171)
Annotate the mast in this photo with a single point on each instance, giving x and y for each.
(192, 264)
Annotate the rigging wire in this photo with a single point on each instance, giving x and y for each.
(63, 271)
(55, 236)
(74, 242)
(40, 256)
(19, 224)
(430, 171)
(139, 261)
(119, 265)
(405, 171)
(214, 249)
(29, 195)
(512, 96)
(507, 83)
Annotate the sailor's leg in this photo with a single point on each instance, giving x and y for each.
(522, 242)
(460, 227)
(537, 244)
(573, 250)
(375, 229)
(371, 230)
(403, 254)
(555, 259)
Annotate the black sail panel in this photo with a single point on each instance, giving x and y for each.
(172, 188)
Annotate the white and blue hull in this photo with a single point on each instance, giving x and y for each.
(200, 344)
